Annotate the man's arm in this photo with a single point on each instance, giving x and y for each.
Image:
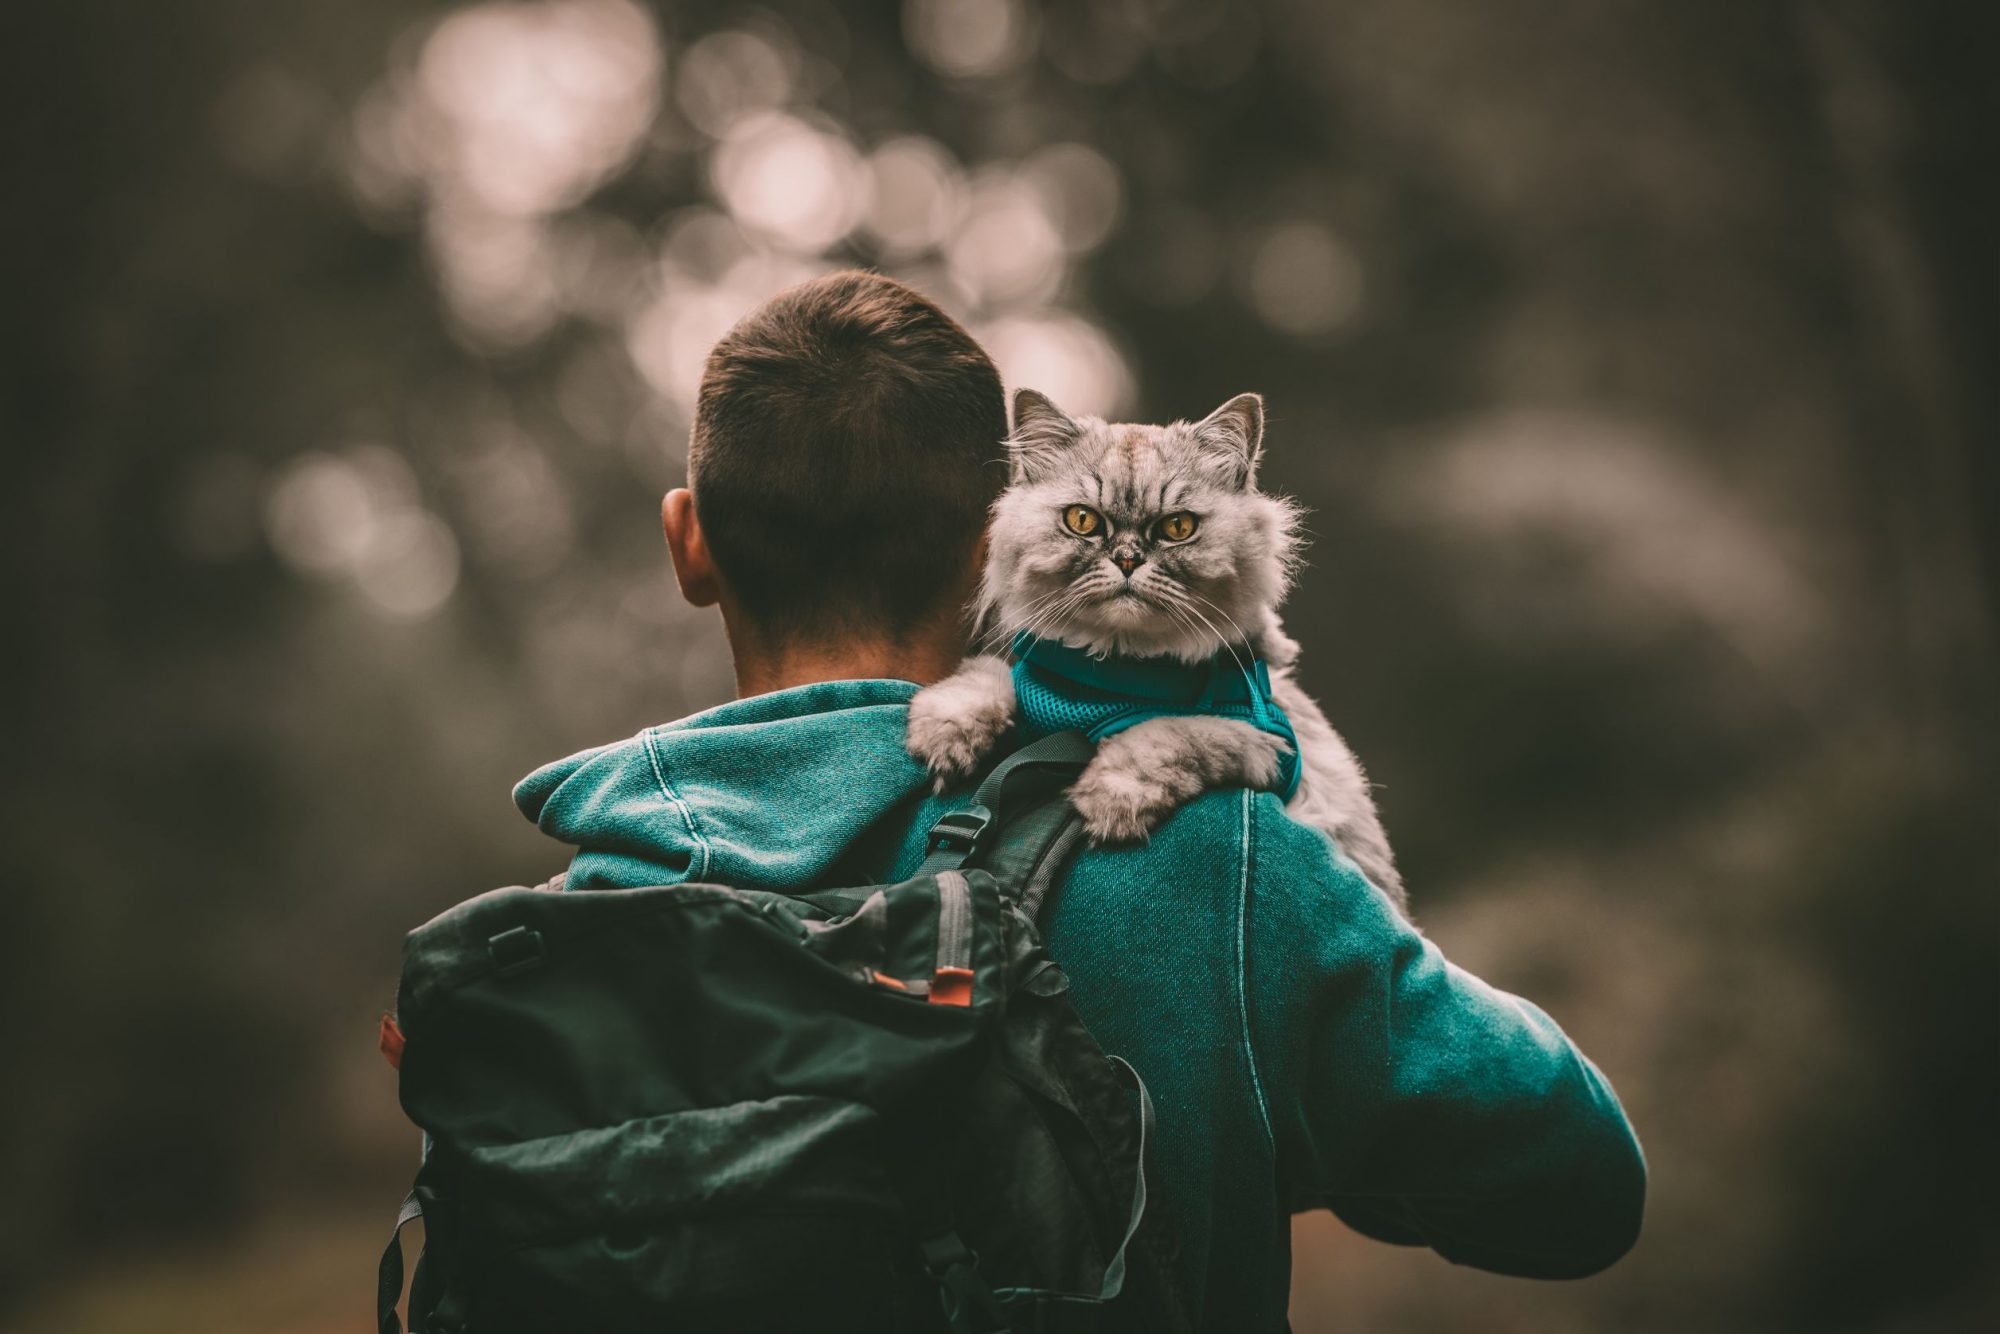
(1422, 1105)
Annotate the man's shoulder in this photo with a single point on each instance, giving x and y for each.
(1242, 841)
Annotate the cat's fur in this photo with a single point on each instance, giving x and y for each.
(1217, 591)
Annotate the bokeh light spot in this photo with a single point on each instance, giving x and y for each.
(970, 39)
(1008, 252)
(318, 514)
(1303, 279)
(916, 194)
(1066, 357)
(537, 103)
(411, 566)
(1079, 190)
(357, 515)
(495, 273)
(796, 183)
(729, 75)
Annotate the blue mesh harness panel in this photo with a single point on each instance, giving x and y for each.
(1060, 688)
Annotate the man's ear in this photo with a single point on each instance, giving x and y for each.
(1042, 432)
(694, 568)
(1231, 438)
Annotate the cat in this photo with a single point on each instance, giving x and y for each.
(1150, 549)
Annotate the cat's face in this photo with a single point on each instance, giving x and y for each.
(1141, 540)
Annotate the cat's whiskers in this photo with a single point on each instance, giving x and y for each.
(1042, 611)
(1241, 636)
(1185, 601)
(1210, 603)
(1004, 629)
(1052, 610)
(1241, 667)
(1181, 618)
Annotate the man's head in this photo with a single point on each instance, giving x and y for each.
(846, 449)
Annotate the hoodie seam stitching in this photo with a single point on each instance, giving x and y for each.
(1242, 983)
(674, 799)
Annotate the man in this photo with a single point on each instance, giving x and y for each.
(1306, 1048)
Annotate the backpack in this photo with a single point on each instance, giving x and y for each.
(696, 1108)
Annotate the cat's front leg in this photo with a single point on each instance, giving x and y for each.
(1145, 773)
(955, 723)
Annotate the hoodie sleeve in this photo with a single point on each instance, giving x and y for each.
(1420, 1104)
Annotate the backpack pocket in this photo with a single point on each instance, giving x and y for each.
(769, 1214)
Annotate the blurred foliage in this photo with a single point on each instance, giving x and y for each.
(1635, 360)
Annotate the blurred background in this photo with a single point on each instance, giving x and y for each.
(1636, 361)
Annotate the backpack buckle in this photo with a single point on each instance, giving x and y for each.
(969, 1307)
(960, 831)
(517, 951)
(946, 1252)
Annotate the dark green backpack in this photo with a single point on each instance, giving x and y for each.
(699, 1108)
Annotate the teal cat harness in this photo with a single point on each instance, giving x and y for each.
(1060, 688)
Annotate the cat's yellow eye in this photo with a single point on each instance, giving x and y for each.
(1082, 520)
(1179, 526)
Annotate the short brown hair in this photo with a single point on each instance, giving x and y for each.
(846, 449)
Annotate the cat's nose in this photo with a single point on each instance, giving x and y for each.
(1128, 561)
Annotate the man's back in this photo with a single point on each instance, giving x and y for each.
(1303, 1045)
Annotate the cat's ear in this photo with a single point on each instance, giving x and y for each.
(1042, 432)
(1231, 438)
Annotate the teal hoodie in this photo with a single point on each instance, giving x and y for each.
(1306, 1048)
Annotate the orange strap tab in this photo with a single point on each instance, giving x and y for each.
(390, 1040)
(951, 986)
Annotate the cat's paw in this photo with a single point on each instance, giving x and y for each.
(1118, 805)
(1258, 759)
(1142, 775)
(955, 724)
(951, 748)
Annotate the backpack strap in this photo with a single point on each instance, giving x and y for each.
(1020, 828)
(389, 1274)
(1049, 1307)
(1114, 1272)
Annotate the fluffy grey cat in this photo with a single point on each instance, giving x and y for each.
(1150, 543)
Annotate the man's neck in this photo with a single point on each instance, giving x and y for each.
(761, 670)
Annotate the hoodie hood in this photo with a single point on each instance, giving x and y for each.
(771, 792)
